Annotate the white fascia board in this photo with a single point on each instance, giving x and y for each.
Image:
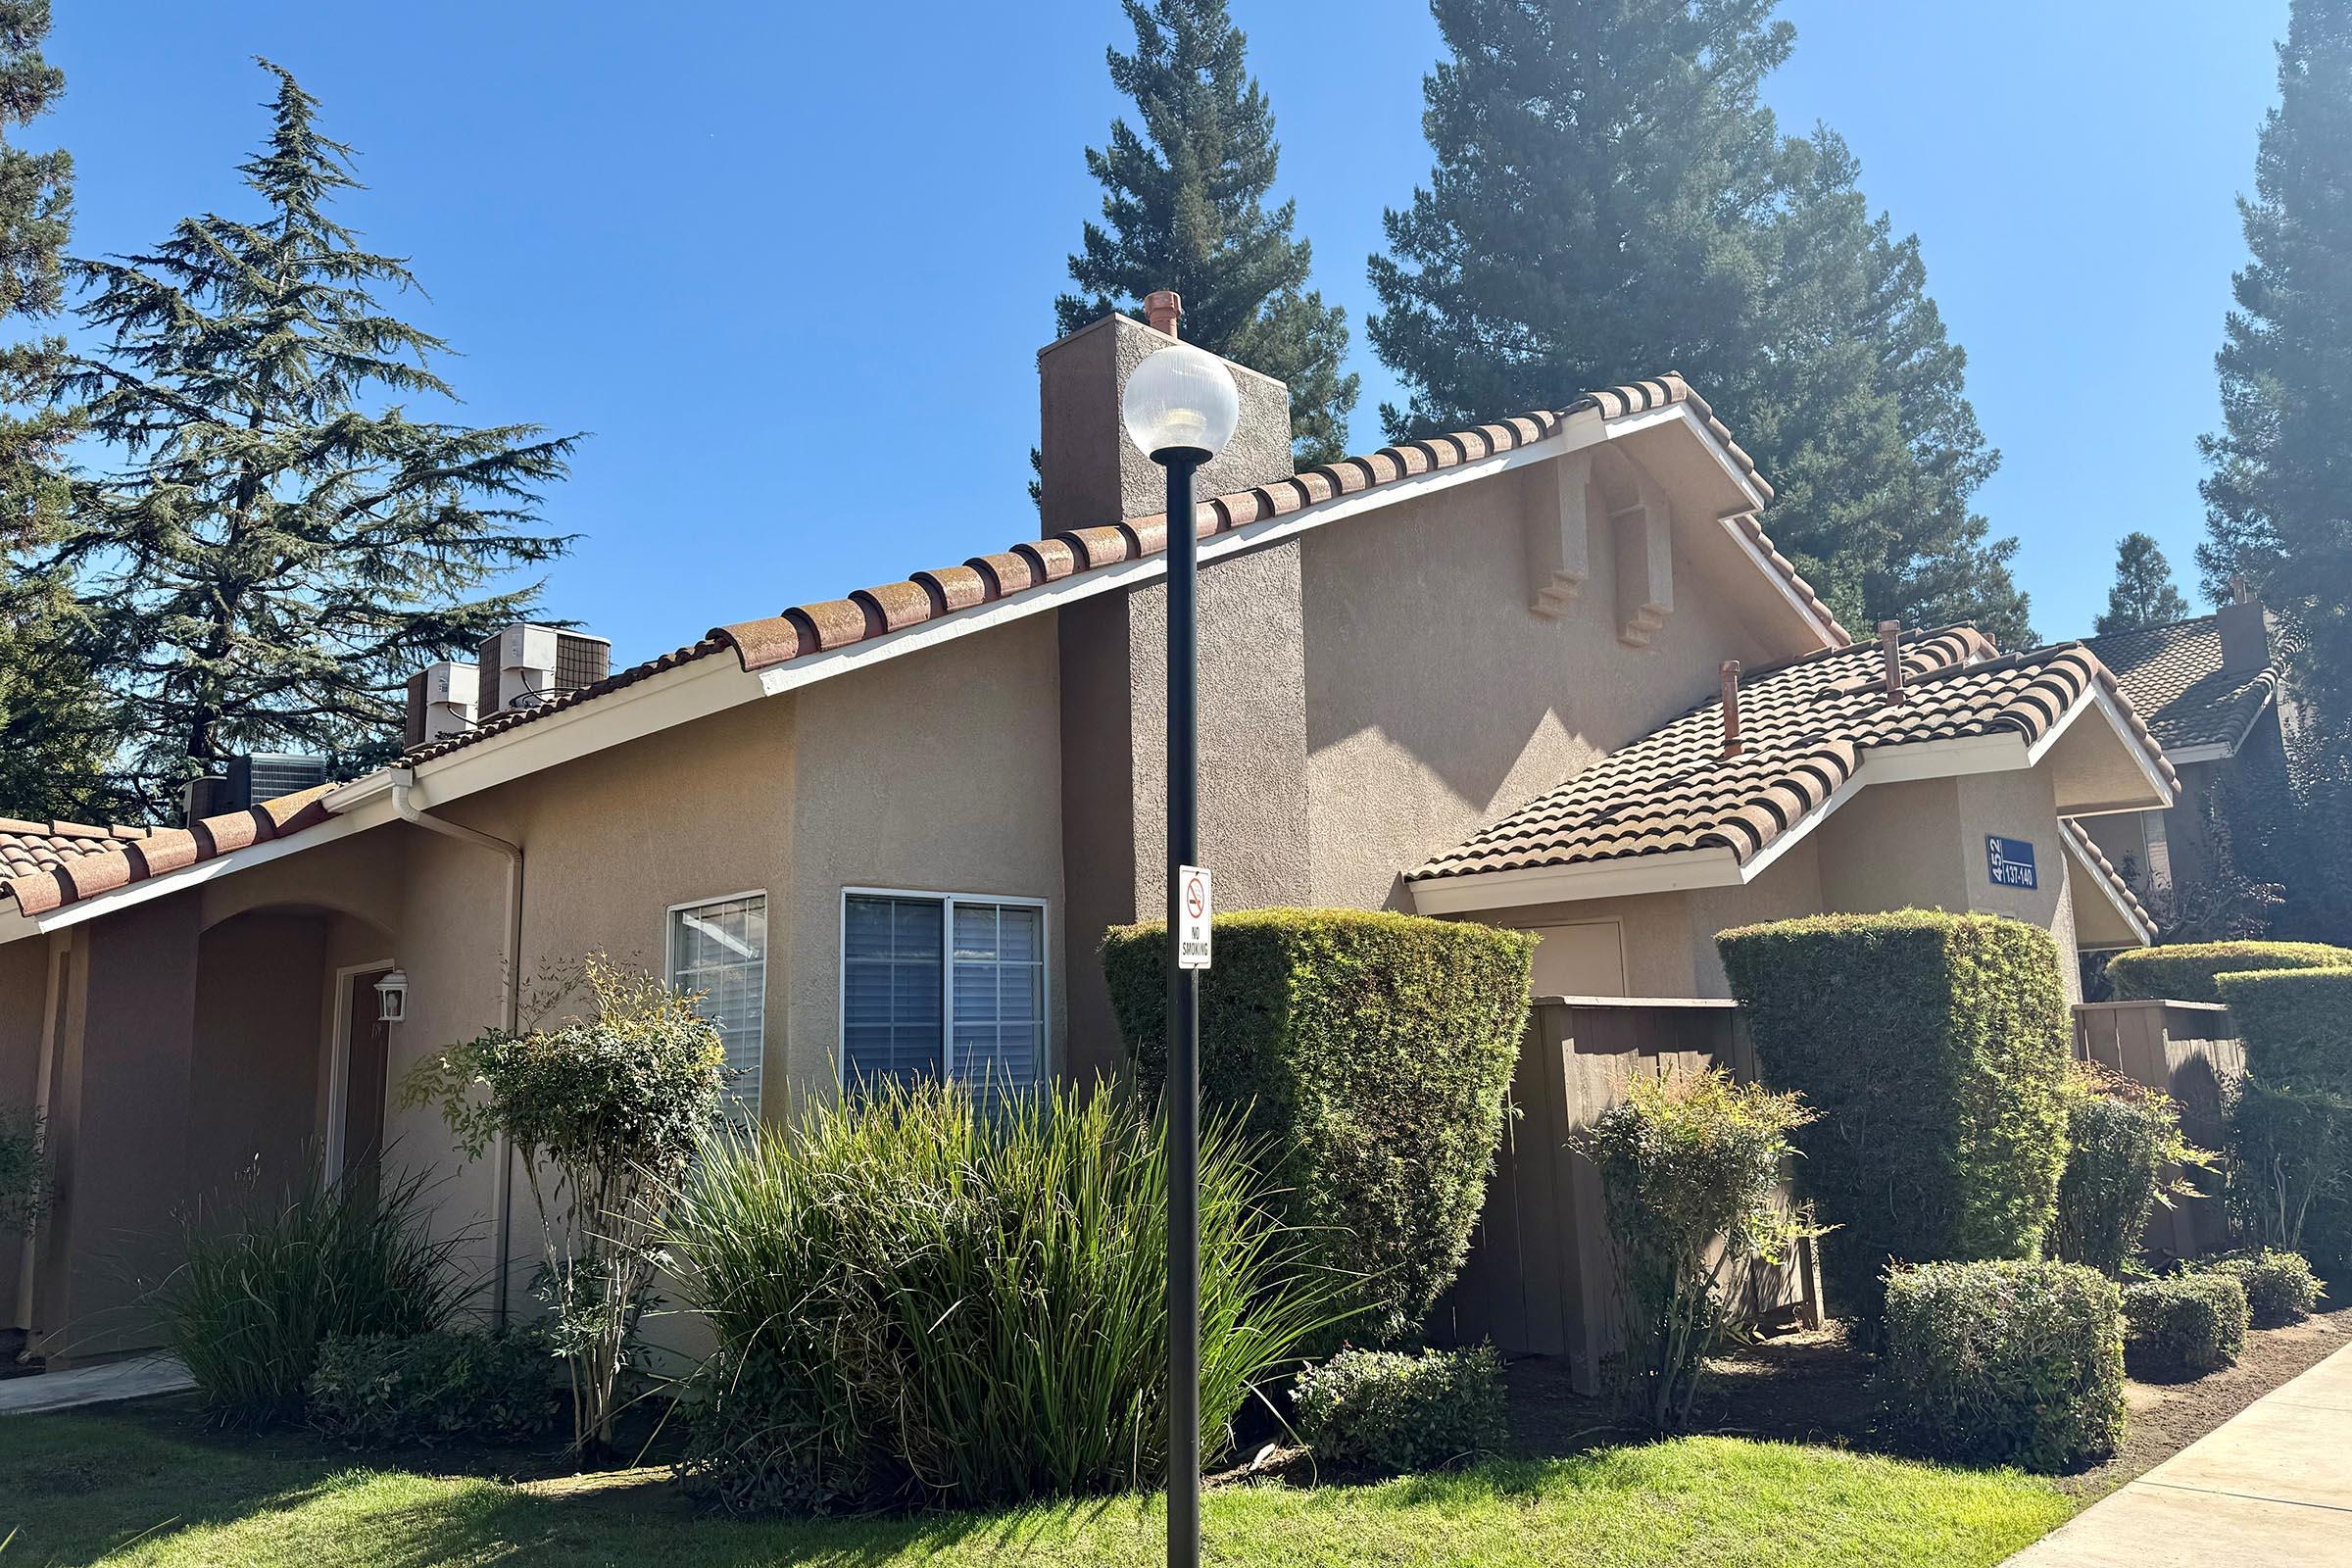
(2160, 793)
(16, 923)
(1713, 867)
(2091, 872)
(2004, 752)
(2209, 752)
(1729, 524)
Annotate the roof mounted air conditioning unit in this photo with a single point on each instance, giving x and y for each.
(441, 700)
(524, 666)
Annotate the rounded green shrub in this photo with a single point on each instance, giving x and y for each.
(1933, 1049)
(1385, 1412)
(2280, 1286)
(2192, 1323)
(2123, 1142)
(2006, 1361)
(378, 1391)
(2297, 1025)
(929, 1296)
(1372, 1053)
(2187, 972)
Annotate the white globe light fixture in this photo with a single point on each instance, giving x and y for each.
(1181, 400)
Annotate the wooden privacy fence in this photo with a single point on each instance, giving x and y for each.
(2189, 1050)
(1541, 1278)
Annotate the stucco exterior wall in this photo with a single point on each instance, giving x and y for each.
(253, 1090)
(1436, 700)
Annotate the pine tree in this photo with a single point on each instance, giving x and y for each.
(1610, 199)
(284, 542)
(1184, 208)
(2143, 594)
(55, 734)
(2278, 495)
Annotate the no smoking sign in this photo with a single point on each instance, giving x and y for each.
(1195, 906)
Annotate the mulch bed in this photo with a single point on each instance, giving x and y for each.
(1815, 1388)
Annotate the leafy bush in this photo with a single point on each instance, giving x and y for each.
(1691, 1167)
(602, 1115)
(2124, 1151)
(2007, 1359)
(380, 1390)
(1933, 1049)
(2187, 972)
(2280, 1286)
(1384, 1412)
(928, 1296)
(1371, 1052)
(259, 1290)
(2193, 1323)
(2297, 1025)
(2291, 1169)
(24, 1171)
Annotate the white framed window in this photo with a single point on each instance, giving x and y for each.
(942, 984)
(718, 951)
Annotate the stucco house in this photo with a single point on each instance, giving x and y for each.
(1549, 674)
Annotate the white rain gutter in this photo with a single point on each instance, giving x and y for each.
(502, 1223)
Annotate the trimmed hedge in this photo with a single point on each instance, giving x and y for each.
(1935, 1048)
(1379, 1412)
(1371, 1052)
(2187, 972)
(2297, 1025)
(382, 1390)
(2192, 1323)
(2007, 1360)
(2280, 1286)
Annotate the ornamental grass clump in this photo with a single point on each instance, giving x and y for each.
(603, 1112)
(2125, 1155)
(2006, 1361)
(928, 1296)
(261, 1286)
(1691, 1167)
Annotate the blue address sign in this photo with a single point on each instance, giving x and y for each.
(2009, 862)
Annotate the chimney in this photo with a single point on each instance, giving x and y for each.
(1162, 308)
(1891, 646)
(2245, 630)
(1089, 472)
(1731, 744)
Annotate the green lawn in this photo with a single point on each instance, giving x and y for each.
(124, 1488)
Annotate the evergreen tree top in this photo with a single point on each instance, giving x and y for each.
(2143, 594)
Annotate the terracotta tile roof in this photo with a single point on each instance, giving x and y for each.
(2173, 676)
(2117, 885)
(44, 866)
(804, 629)
(1804, 729)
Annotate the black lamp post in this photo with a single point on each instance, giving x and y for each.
(1181, 406)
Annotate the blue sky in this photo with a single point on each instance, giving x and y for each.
(790, 265)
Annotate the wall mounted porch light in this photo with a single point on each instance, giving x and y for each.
(392, 997)
(1180, 407)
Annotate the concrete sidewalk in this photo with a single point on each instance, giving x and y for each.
(2269, 1488)
(93, 1384)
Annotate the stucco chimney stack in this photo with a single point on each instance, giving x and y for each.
(1890, 647)
(2246, 631)
(1162, 308)
(1731, 708)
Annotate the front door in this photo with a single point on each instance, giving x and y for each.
(365, 1060)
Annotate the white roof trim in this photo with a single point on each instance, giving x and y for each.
(2090, 870)
(2207, 752)
(1729, 523)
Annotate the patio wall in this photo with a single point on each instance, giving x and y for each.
(2191, 1051)
(1539, 1279)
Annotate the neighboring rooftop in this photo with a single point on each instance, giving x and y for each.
(2176, 678)
(1805, 729)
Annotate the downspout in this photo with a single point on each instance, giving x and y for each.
(502, 1223)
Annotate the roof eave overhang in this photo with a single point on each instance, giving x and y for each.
(1679, 870)
(2094, 876)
